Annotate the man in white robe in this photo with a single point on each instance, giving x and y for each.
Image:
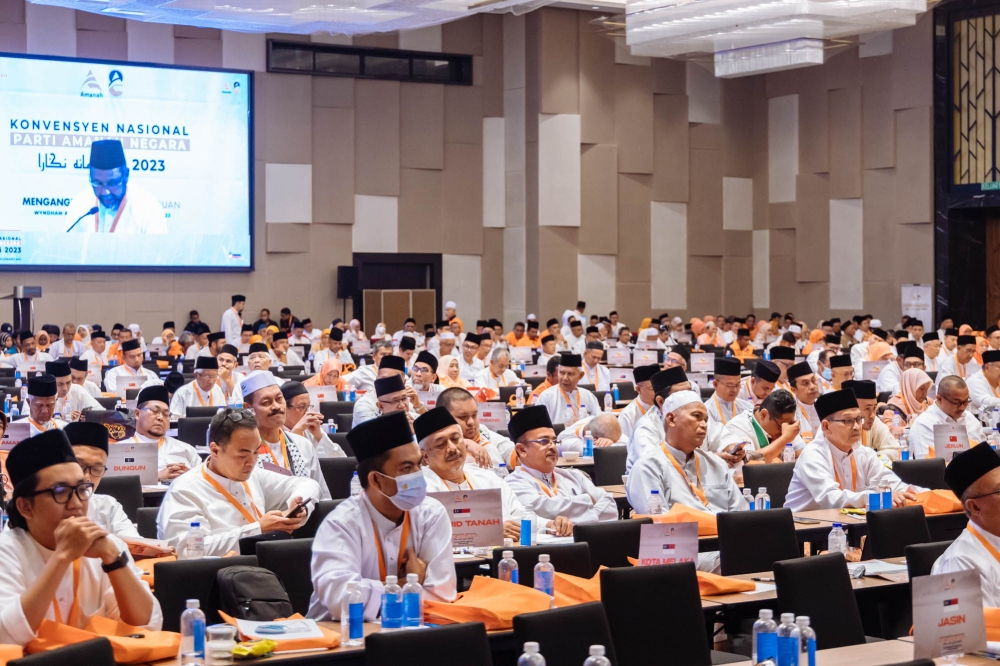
(67, 347)
(204, 391)
(78, 372)
(152, 419)
(603, 428)
(229, 379)
(648, 431)
(984, 386)
(486, 448)
(41, 402)
(805, 388)
(334, 349)
(71, 399)
(909, 357)
(90, 446)
(216, 341)
(951, 407)
(576, 339)
(725, 403)
(835, 471)
(392, 528)
(469, 365)
(566, 402)
(232, 320)
(830, 344)
(363, 379)
(874, 434)
(593, 372)
(643, 402)
(963, 363)
(497, 373)
(280, 353)
(763, 433)
(423, 376)
(932, 352)
(98, 352)
(130, 369)
(44, 539)
(398, 397)
(228, 495)
(260, 358)
(760, 383)
(29, 359)
(577, 313)
(302, 421)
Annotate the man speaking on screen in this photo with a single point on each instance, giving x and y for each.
(113, 205)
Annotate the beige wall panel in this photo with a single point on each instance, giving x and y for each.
(463, 36)
(915, 165)
(288, 195)
(150, 42)
(846, 254)
(843, 70)
(783, 286)
(421, 202)
(286, 238)
(705, 136)
(845, 143)
(737, 127)
(421, 126)
(13, 38)
(883, 298)
(705, 204)
(12, 11)
(879, 226)
(599, 199)
(668, 229)
(101, 45)
(632, 301)
(557, 253)
(99, 22)
(788, 82)
(812, 301)
(737, 285)
(376, 224)
(492, 273)
(877, 117)
(463, 114)
(814, 137)
(669, 76)
(704, 93)
(597, 83)
(513, 51)
(287, 119)
(634, 118)
(671, 144)
(51, 30)
(782, 215)
(462, 188)
(916, 243)
(559, 170)
(704, 278)
(376, 137)
(560, 61)
(333, 166)
(492, 66)
(595, 281)
(198, 52)
(461, 278)
(812, 238)
(333, 92)
(382, 40)
(913, 64)
(145, 293)
(633, 229)
(737, 244)
(421, 39)
(782, 243)
(761, 208)
(761, 259)
(782, 147)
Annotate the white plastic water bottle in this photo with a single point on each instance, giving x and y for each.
(788, 455)
(584, 412)
(748, 499)
(413, 609)
(193, 633)
(352, 616)
(6, 405)
(765, 637)
(519, 397)
(993, 439)
(609, 403)
(502, 470)
(763, 501)
(194, 543)
(118, 406)
(180, 367)
(807, 641)
(904, 445)
(17, 379)
(148, 357)
(655, 504)
(597, 657)
(355, 485)
(392, 604)
(588, 444)
(331, 426)
(837, 541)
(14, 412)
(788, 641)
(507, 568)
(545, 576)
(531, 656)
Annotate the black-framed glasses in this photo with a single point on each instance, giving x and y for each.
(62, 493)
(858, 421)
(237, 415)
(960, 404)
(96, 471)
(156, 412)
(995, 492)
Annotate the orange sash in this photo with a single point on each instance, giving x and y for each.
(719, 406)
(265, 447)
(37, 424)
(569, 403)
(74, 610)
(555, 484)
(232, 500)
(697, 490)
(402, 544)
(97, 218)
(854, 474)
(986, 544)
(197, 392)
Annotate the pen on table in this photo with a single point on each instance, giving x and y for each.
(763, 580)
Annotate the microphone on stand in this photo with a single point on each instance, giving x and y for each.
(89, 212)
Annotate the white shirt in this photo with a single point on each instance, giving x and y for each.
(323, 355)
(576, 345)
(646, 437)
(951, 366)
(486, 379)
(141, 214)
(573, 438)
(468, 371)
(291, 358)
(38, 360)
(814, 484)
(92, 389)
(111, 379)
(599, 376)
(345, 550)
(77, 400)
(366, 408)
(109, 514)
(747, 394)
(362, 379)
(190, 395)
(191, 498)
(656, 472)
(574, 496)
(52, 424)
(24, 559)
(172, 451)
(809, 423)
(888, 379)
(193, 352)
(568, 409)
(570, 314)
(477, 478)
(721, 411)
(58, 349)
(310, 461)
(921, 436)
(982, 394)
(92, 356)
(232, 326)
(966, 553)
(630, 415)
(500, 448)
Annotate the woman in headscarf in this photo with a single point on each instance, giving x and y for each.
(42, 340)
(328, 375)
(815, 337)
(880, 351)
(697, 326)
(353, 332)
(965, 329)
(913, 387)
(83, 334)
(982, 344)
(711, 336)
(448, 375)
(323, 342)
(267, 334)
(7, 344)
(170, 340)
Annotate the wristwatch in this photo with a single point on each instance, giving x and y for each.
(122, 561)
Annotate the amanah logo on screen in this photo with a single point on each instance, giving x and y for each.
(90, 87)
(116, 83)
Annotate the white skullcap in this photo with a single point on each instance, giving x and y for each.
(447, 335)
(678, 400)
(532, 317)
(646, 332)
(875, 323)
(134, 328)
(676, 321)
(450, 304)
(257, 380)
(354, 323)
(794, 328)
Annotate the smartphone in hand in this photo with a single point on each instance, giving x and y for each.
(299, 509)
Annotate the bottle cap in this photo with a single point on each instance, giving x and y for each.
(762, 489)
(787, 618)
(192, 603)
(803, 620)
(835, 525)
(543, 558)
(765, 614)
(508, 554)
(596, 650)
(412, 578)
(503, 464)
(531, 647)
(391, 580)
(654, 492)
(195, 524)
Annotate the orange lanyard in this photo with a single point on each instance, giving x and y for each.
(134, 373)
(806, 414)
(597, 376)
(721, 415)
(471, 487)
(158, 444)
(97, 219)
(569, 403)
(74, 610)
(64, 350)
(961, 368)
(555, 485)
(499, 379)
(696, 489)
(37, 424)
(232, 500)
(992, 388)
(284, 451)
(638, 406)
(986, 544)
(197, 392)
(854, 474)
(402, 544)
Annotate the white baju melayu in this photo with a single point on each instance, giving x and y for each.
(951, 366)
(291, 358)
(366, 408)
(304, 460)
(645, 439)
(809, 423)
(193, 352)
(568, 407)
(191, 395)
(139, 212)
(469, 371)
(543, 359)
(741, 429)
(477, 478)
(921, 437)
(576, 345)
(77, 400)
(500, 448)
(573, 438)
(629, 417)
(61, 350)
(325, 447)
(192, 497)
(720, 411)
(91, 356)
(109, 514)
(171, 451)
(599, 376)
(92, 389)
(931, 364)
(345, 550)
(826, 478)
(123, 371)
(35, 428)
(24, 559)
(323, 355)
(968, 553)
(982, 393)
(889, 378)
(485, 378)
(362, 379)
(232, 326)
(37, 360)
(564, 492)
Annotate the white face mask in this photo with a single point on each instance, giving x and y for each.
(411, 489)
(380, 330)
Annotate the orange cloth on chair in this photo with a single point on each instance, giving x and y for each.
(679, 513)
(572, 590)
(9, 653)
(992, 623)
(329, 641)
(710, 584)
(938, 501)
(490, 601)
(147, 565)
(154, 645)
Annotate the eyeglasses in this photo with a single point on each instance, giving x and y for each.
(959, 404)
(544, 441)
(727, 385)
(62, 493)
(96, 471)
(237, 415)
(995, 492)
(302, 406)
(156, 412)
(110, 185)
(859, 421)
(397, 402)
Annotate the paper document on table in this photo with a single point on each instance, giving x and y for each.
(549, 539)
(875, 567)
(279, 630)
(761, 587)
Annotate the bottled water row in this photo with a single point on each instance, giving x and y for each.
(792, 643)
(402, 608)
(532, 657)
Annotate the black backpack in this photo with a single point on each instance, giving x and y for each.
(252, 593)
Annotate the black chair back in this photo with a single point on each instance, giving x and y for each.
(316, 518)
(752, 541)
(291, 562)
(132, 394)
(610, 543)
(453, 645)
(820, 587)
(609, 465)
(95, 652)
(248, 545)
(891, 531)
(200, 412)
(928, 472)
(106, 403)
(338, 473)
(340, 439)
(567, 558)
(600, 397)
(626, 390)
(637, 618)
(920, 558)
(330, 410)
(884, 396)
(192, 430)
(775, 477)
(127, 490)
(344, 422)
(146, 520)
(564, 635)
(507, 391)
(176, 582)
(534, 382)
